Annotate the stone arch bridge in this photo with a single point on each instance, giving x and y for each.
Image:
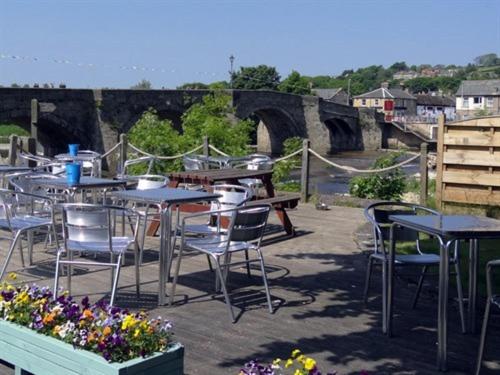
(95, 118)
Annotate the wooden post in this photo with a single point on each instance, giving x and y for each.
(439, 161)
(206, 151)
(424, 183)
(12, 149)
(304, 178)
(206, 148)
(34, 119)
(120, 169)
(32, 150)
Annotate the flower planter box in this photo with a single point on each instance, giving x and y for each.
(31, 352)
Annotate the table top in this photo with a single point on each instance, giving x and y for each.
(85, 157)
(10, 168)
(454, 226)
(211, 175)
(165, 195)
(85, 183)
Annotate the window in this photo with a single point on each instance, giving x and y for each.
(489, 101)
(465, 102)
(376, 101)
(363, 101)
(478, 99)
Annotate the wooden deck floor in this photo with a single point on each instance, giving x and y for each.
(316, 282)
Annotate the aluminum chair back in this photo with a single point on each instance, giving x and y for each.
(143, 159)
(249, 223)
(39, 160)
(231, 196)
(193, 162)
(378, 215)
(87, 223)
(151, 181)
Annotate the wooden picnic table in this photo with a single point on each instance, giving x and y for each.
(209, 177)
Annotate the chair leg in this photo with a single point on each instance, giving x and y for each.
(249, 274)
(30, 246)
(21, 253)
(56, 276)
(176, 275)
(224, 289)
(264, 278)
(419, 287)
(69, 270)
(482, 341)
(115, 280)
(368, 279)
(9, 254)
(210, 267)
(385, 282)
(460, 295)
(137, 269)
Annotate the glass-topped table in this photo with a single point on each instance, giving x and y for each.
(447, 229)
(165, 199)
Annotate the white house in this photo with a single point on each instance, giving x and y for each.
(481, 96)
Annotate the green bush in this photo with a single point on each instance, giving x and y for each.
(282, 169)
(214, 118)
(8, 129)
(386, 186)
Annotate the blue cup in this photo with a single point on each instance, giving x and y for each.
(73, 173)
(73, 149)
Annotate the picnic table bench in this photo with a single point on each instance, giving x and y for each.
(207, 178)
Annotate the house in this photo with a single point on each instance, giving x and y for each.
(405, 75)
(429, 107)
(392, 102)
(480, 97)
(337, 95)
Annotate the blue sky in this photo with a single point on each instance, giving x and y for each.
(116, 43)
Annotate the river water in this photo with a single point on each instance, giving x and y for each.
(326, 179)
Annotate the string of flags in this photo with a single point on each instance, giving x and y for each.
(93, 65)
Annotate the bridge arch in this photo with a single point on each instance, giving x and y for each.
(273, 127)
(343, 136)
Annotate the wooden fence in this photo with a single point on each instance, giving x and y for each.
(468, 162)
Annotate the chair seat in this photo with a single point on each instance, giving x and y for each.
(217, 245)
(251, 182)
(25, 222)
(418, 259)
(200, 229)
(119, 245)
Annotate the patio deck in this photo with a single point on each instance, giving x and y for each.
(317, 282)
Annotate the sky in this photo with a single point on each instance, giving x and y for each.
(116, 43)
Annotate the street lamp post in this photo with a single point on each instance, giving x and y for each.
(231, 71)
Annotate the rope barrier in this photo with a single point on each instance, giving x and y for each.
(352, 169)
(217, 150)
(288, 156)
(138, 150)
(110, 151)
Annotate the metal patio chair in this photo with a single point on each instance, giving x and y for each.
(256, 163)
(146, 182)
(493, 299)
(89, 228)
(378, 215)
(244, 232)
(231, 196)
(18, 216)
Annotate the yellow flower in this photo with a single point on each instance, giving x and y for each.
(309, 364)
(12, 276)
(301, 358)
(288, 363)
(298, 372)
(137, 332)
(277, 361)
(295, 353)
(128, 322)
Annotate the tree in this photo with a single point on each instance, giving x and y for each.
(260, 77)
(295, 84)
(219, 85)
(193, 86)
(15, 85)
(399, 66)
(489, 59)
(144, 84)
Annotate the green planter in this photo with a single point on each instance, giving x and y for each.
(31, 352)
